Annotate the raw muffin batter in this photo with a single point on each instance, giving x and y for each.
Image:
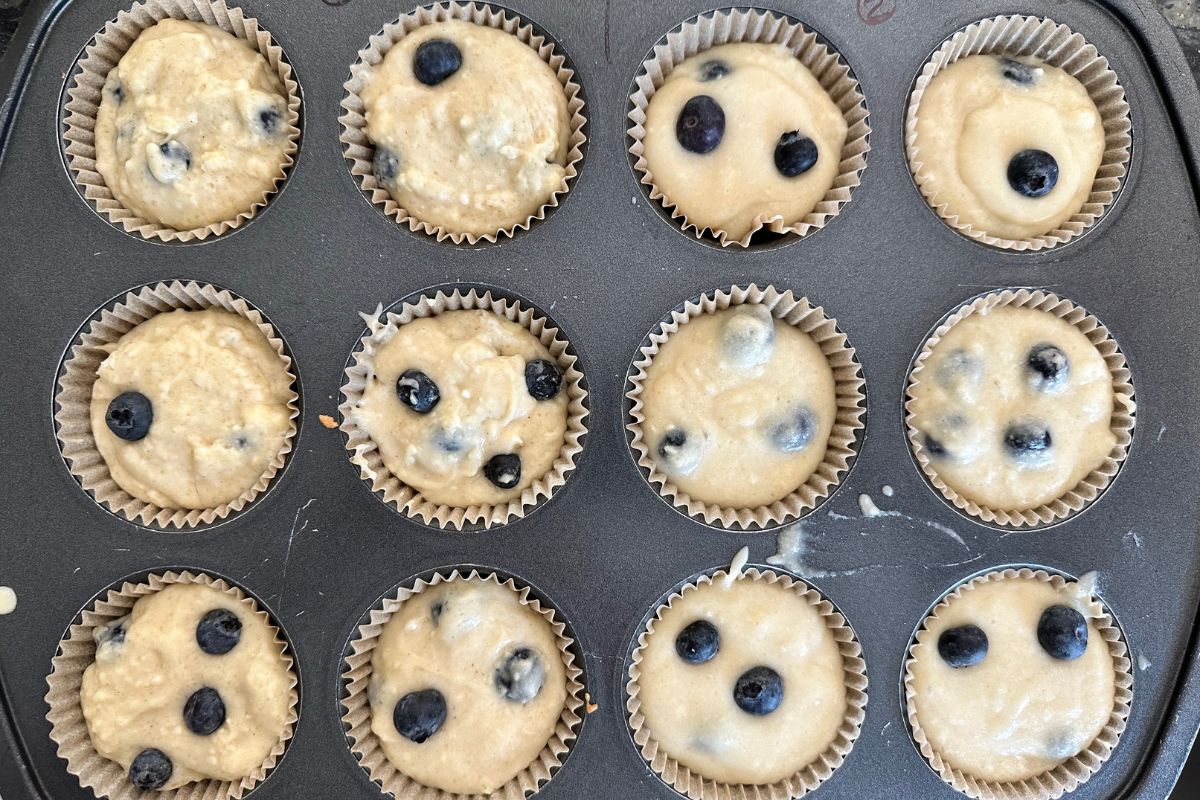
(1032, 687)
(741, 134)
(190, 408)
(738, 407)
(192, 126)
(191, 685)
(1014, 407)
(452, 406)
(1011, 146)
(470, 127)
(467, 686)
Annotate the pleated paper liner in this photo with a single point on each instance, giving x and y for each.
(1089, 489)
(364, 452)
(77, 651)
(73, 397)
(83, 93)
(1058, 46)
(1074, 771)
(730, 25)
(356, 680)
(844, 438)
(359, 151)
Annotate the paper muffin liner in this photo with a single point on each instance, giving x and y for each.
(77, 651)
(73, 398)
(733, 25)
(1058, 46)
(360, 151)
(844, 437)
(83, 103)
(693, 784)
(1071, 773)
(1123, 418)
(356, 680)
(364, 452)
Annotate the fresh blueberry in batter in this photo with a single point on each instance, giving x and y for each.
(793, 433)
(543, 379)
(748, 335)
(714, 69)
(964, 646)
(420, 715)
(758, 691)
(417, 391)
(129, 416)
(1048, 366)
(151, 769)
(387, 165)
(680, 453)
(520, 676)
(700, 125)
(1027, 440)
(698, 642)
(169, 162)
(503, 470)
(450, 440)
(795, 154)
(1063, 633)
(219, 632)
(113, 633)
(435, 612)
(118, 93)
(1032, 173)
(959, 368)
(269, 121)
(1017, 72)
(204, 711)
(436, 60)
(935, 447)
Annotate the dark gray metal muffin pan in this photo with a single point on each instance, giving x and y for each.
(319, 548)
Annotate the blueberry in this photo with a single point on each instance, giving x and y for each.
(435, 612)
(436, 60)
(241, 441)
(504, 470)
(520, 676)
(1032, 173)
(793, 433)
(218, 632)
(795, 154)
(1063, 633)
(417, 391)
(420, 715)
(169, 162)
(959, 369)
(748, 335)
(758, 691)
(129, 416)
(935, 447)
(204, 711)
(1017, 72)
(1048, 366)
(118, 93)
(698, 642)
(701, 125)
(1028, 440)
(269, 121)
(450, 440)
(151, 769)
(387, 165)
(713, 69)
(679, 452)
(964, 646)
(113, 633)
(543, 379)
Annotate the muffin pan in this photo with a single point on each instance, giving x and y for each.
(319, 549)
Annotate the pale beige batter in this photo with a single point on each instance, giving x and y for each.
(977, 384)
(1019, 712)
(736, 383)
(453, 638)
(134, 694)
(484, 149)
(192, 126)
(973, 120)
(477, 359)
(736, 187)
(220, 395)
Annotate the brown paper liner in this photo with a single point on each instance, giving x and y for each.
(1073, 772)
(729, 25)
(364, 453)
(694, 785)
(356, 680)
(84, 93)
(1124, 409)
(1057, 46)
(360, 151)
(844, 437)
(73, 397)
(77, 651)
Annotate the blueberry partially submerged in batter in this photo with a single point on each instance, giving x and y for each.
(204, 711)
(713, 69)
(1048, 366)
(959, 369)
(543, 379)
(268, 121)
(698, 642)
(1017, 72)
(117, 91)
(151, 769)
(417, 391)
(679, 453)
(793, 433)
(1063, 633)
(701, 125)
(1032, 173)
(964, 646)
(1028, 440)
(420, 715)
(748, 335)
(758, 691)
(129, 416)
(113, 633)
(503, 470)
(520, 675)
(386, 164)
(795, 154)
(436, 60)
(935, 447)
(219, 632)
(169, 162)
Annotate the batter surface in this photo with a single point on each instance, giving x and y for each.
(1014, 407)
(150, 663)
(978, 114)
(219, 393)
(458, 638)
(764, 93)
(192, 126)
(738, 407)
(1019, 712)
(485, 147)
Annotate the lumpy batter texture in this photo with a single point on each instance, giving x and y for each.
(738, 407)
(779, 144)
(149, 665)
(1014, 407)
(484, 146)
(975, 119)
(192, 126)
(496, 666)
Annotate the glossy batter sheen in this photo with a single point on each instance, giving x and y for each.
(220, 394)
(766, 93)
(972, 121)
(690, 708)
(976, 383)
(484, 149)
(728, 380)
(134, 694)
(192, 126)
(1019, 712)
(486, 739)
